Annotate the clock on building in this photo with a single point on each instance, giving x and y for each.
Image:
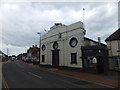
(73, 42)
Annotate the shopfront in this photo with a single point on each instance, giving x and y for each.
(95, 59)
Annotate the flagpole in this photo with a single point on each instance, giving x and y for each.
(83, 18)
(84, 21)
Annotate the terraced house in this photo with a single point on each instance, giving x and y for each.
(62, 46)
(113, 44)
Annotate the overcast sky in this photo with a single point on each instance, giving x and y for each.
(20, 21)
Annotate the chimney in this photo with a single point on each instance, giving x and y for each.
(33, 46)
(36, 46)
(99, 40)
(58, 24)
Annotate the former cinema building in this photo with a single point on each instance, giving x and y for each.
(67, 46)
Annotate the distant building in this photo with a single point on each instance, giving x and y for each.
(33, 53)
(64, 45)
(23, 56)
(19, 57)
(113, 44)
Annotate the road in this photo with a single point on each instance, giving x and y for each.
(18, 74)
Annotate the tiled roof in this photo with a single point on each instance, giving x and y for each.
(114, 36)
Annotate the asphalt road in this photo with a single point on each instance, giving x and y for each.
(18, 74)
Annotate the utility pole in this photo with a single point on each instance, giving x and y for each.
(39, 45)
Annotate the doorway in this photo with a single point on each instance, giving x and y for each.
(55, 58)
(100, 64)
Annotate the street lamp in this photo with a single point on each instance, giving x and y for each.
(39, 46)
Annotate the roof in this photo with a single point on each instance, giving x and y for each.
(93, 41)
(2, 53)
(114, 36)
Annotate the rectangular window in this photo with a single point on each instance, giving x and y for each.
(43, 58)
(119, 45)
(73, 58)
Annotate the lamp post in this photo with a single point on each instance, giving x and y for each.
(39, 45)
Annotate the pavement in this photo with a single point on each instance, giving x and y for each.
(111, 79)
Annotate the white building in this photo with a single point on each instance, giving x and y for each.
(61, 46)
(66, 46)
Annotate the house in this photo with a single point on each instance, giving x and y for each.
(33, 53)
(3, 57)
(113, 44)
(63, 46)
(19, 57)
(22, 56)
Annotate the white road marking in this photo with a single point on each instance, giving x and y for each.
(35, 75)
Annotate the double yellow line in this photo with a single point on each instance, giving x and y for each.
(5, 85)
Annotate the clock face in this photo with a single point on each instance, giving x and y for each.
(73, 42)
(43, 47)
(55, 45)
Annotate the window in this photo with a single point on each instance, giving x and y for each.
(43, 58)
(60, 35)
(43, 47)
(55, 45)
(73, 58)
(119, 45)
(73, 42)
(117, 62)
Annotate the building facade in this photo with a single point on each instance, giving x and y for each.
(33, 54)
(61, 46)
(113, 44)
(67, 46)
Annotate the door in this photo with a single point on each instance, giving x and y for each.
(55, 58)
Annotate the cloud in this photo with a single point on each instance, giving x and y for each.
(103, 22)
(22, 21)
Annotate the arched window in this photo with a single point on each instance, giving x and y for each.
(55, 45)
(43, 47)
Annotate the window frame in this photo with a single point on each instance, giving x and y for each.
(70, 42)
(73, 58)
(54, 45)
(43, 47)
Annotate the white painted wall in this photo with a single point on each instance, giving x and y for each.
(73, 30)
(113, 47)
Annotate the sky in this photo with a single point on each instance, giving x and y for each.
(20, 21)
